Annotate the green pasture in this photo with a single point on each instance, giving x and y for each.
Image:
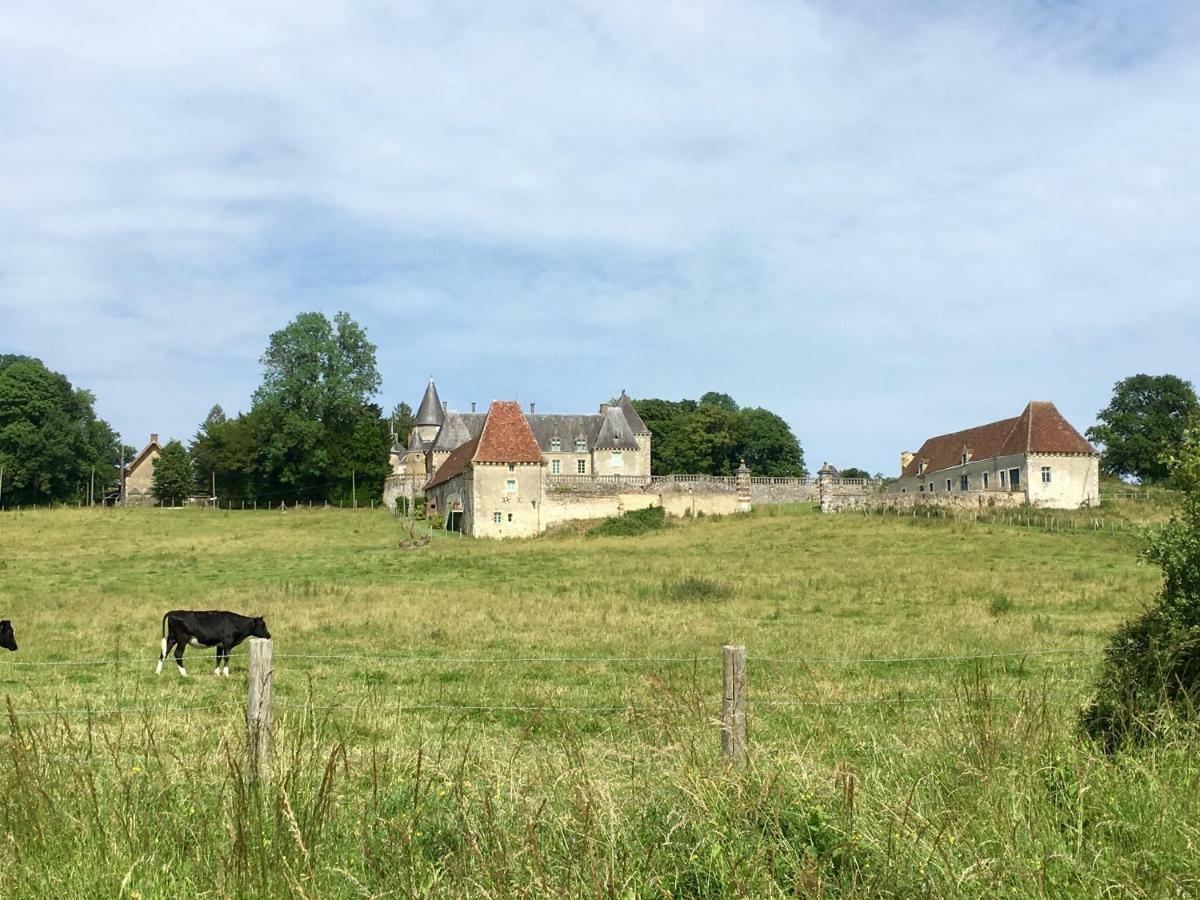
(538, 718)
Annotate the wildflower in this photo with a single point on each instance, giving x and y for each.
(136, 770)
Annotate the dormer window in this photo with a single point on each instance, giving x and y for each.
(555, 445)
(580, 445)
(964, 457)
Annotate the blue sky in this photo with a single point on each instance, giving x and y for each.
(881, 222)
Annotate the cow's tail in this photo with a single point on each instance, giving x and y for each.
(164, 637)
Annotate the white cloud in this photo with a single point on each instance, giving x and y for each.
(931, 216)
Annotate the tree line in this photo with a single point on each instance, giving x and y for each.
(314, 430)
(712, 435)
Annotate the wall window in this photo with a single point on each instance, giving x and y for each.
(1014, 478)
(964, 484)
(1003, 478)
(555, 466)
(580, 445)
(985, 481)
(510, 517)
(948, 483)
(617, 461)
(581, 466)
(512, 467)
(555, 445)
(510, 486)
(496, 518)
(1045, 474)
(920, 488)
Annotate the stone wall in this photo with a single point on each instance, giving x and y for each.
(406, 486)
(847, 500)
(768, 491)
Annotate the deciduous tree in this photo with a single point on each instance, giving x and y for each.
(174, 480)
(1146, 419)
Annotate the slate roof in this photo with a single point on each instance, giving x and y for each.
(456, 430)
(414, 440)
(615, 433)
(430, 411)
(635, 421)
(547, 426)
(1040, 428)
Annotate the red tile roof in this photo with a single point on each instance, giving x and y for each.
(506, 436)
(1040, 428)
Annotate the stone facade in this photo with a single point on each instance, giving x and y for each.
(501, 485)
(1037, 456)
(612, 441)
(138, 483)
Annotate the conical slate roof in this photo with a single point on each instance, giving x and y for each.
(414, 440)
(430, 411)
(631, 415)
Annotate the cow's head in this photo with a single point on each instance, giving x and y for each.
(259, 629)
(8, 640)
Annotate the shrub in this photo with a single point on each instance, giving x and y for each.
(639, 521)
(1151, 674)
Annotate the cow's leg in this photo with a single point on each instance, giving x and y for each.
(166, 648)
(179, 658)
(217, 670)
(227, 649)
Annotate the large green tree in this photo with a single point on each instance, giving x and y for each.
(51, 440)
(174, 479)
(713, 435)
(1143, 424)
(313, 428)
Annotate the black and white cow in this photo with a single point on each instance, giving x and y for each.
(8, 640)
(223, 630)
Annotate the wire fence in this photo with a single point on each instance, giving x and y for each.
(771, 701)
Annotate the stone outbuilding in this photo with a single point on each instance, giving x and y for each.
(138, 478)
(1038, 453)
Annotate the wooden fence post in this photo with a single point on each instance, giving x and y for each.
(258, 710)
(733, 704)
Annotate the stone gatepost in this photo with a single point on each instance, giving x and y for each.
(825, 484)
(743, 488)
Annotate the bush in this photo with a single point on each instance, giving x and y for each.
(1151, 674)
(639, 521)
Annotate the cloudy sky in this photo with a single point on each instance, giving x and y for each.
(882, 223)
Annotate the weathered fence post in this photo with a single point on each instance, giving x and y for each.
(258, 710)
(733, 704)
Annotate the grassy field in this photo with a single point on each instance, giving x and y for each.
(538, 718)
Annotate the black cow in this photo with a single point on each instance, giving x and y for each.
(8, 640)
(223, 630)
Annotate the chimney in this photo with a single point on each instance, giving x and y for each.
(472, 406)
(532, 407)
(604, 409)
(153, 438)
(445, 405)
(905, 458)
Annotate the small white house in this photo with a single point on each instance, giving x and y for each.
(1038, 453)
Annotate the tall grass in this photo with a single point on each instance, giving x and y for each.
(937, 777)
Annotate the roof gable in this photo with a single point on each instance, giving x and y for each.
(631, 415)
(506, 436)
(455, 464)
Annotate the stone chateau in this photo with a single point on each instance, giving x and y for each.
(508, 472)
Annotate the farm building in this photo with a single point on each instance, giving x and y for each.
(139, 475)
(612, 441)
(1038, 453)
